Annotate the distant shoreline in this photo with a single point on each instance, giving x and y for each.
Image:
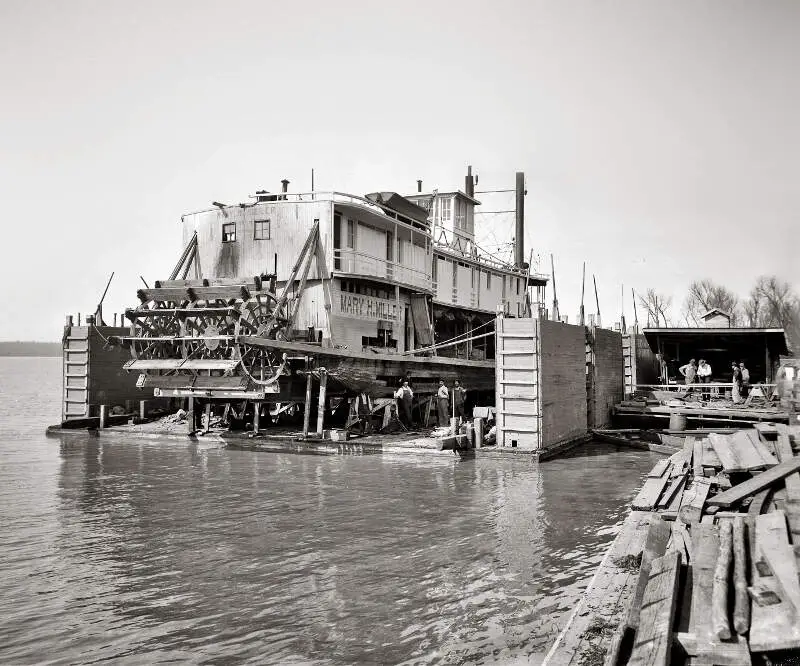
(30, 348)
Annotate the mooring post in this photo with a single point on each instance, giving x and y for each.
(323, 386)
(256, 417)
(142, 410)
(307, 413)
(103, 411)
(207, 424)
(478, 423)
(190, 415)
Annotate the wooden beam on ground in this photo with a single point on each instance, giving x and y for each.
(719, 592)
(648, 496)
(708, 648)
(697, 458)
(654, 547)
(694, 498)
(773, 626)
(759, 482)
(783, 448)
(653, 643)
(741, 607)
(658, 470)
(674, 488)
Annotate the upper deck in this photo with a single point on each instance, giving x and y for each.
(360, 237)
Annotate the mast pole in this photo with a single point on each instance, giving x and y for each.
(583, 288)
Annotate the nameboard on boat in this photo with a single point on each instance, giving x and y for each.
(367, 307)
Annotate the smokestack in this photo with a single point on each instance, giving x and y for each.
(469, 184)
(284, 185)
(519, 235)
(419, 186)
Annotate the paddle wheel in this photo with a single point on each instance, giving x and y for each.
(206, 337)
(188, 338)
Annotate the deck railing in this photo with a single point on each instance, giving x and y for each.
(361, 263)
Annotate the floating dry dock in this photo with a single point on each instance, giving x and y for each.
(705, 567)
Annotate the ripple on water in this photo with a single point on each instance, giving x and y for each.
(151, 551)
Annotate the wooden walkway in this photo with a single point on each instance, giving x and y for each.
(705, 568)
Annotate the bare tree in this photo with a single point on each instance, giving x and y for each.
(773, 303)
(657, 306)
(704, 295)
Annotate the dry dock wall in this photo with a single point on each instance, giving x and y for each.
(563, 381)
(93, 373)
(604, 374)
(554, 381)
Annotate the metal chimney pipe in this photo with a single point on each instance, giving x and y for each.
(519, 234)
(419, 186)
(469, 185)
(285, 185)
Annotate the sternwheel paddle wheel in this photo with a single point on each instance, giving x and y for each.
(194, 337)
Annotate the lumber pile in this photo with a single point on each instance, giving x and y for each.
(718, 581)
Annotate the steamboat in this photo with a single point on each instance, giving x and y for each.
(360, 292)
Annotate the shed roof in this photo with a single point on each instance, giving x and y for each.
(714, 311)
(775, 337)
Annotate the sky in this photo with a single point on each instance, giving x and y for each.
(660, 140)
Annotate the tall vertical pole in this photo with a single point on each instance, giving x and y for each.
(583, 288)
(190, 415)
(622, 305)
(556, 314)
(635, 312)
(323, 384)
(519, 233)
(307, 412)
(597, 301)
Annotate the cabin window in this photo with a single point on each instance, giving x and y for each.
(461, 214)
(228, 232)
(261, 230)
(488, 280)
(351, 233)
(445, 209)
(389, 241)
(400, 259)
(518, 281)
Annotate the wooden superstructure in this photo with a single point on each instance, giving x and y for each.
(372, 288)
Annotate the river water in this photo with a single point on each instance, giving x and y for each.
(150, 551)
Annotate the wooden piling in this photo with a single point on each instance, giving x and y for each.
(323, 385)
(190, 415)
(207, 422)
(256, 417)
(103, 415)
(307, 412)
(142, 409)
(478, 424)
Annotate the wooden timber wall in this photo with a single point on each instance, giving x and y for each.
(640, 363)
(604, 375)
(93, 373)
(563, 381)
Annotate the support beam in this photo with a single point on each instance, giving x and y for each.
(323, 385)
(307, 412)
(190, 416)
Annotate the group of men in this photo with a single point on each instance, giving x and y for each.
(444, 408)
(701, 373)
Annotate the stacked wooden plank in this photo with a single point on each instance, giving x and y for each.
(718, 581)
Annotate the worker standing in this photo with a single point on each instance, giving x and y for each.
(443, 404)
(459, 398)
(405, 397)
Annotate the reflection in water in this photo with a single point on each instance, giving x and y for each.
(153, 550)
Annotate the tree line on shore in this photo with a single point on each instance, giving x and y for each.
(771, 303)
(29, 348)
